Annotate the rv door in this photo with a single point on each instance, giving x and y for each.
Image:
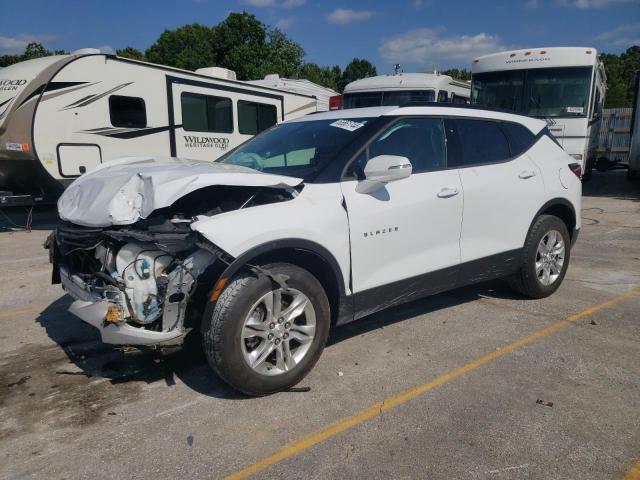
(210, 120)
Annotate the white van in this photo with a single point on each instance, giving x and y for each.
(403, 89)
(63, 115)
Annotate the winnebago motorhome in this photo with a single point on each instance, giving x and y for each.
(60, 116)
(403, 88)
(563, 85)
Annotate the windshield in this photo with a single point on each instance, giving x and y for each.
(540, 92)
(297, 149)
(377, 99)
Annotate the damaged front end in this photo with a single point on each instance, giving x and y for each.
(146, 283)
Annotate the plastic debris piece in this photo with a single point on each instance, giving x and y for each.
(544, 403)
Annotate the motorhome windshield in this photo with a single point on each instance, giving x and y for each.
(377, 99)
(297, 149)
(539, 92)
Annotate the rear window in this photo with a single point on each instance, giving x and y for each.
(479, 141)
(520, 137)
(129, 112)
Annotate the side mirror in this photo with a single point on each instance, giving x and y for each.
(383, 169)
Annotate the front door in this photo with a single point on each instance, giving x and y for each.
(405, 235)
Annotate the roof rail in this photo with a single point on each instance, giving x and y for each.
(459, 105)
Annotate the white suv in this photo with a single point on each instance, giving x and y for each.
(316, 222)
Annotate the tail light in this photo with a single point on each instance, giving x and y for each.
(576, 168)
(335, 102)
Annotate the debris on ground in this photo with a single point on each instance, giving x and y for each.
(544, 403)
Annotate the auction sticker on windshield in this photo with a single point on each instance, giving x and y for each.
(347, 125)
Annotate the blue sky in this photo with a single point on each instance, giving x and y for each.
(419, 34)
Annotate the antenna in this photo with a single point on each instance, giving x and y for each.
(396, 69)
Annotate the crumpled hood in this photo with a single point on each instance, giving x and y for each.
(123, 191)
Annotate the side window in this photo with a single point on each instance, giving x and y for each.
(421, 140)
(481, 141)
(206, 113)
(253, 117)
(520, 137)
(459, 100)
(443, 95)
(128, 112)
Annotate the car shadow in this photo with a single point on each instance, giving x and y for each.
(83, 347)
(612, 184)
(41, 217)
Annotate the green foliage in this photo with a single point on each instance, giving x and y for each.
(458, 73)
(31, 51)
(189, 47)
(130, 52)
(329, 77)
(621, 77)
(358, 68)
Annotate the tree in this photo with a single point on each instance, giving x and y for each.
(130, 52)
(621, 77)
(329, 77)
(355, 70)
(189, 47)
(284, 56)
(31, 51)
(458, 74)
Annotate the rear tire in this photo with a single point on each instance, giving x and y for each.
(252, 314)
(545, 258)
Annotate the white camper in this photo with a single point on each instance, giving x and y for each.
(404, 88)
(565, 86)
(63, 115)
(302, 86)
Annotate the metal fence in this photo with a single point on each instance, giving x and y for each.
(614, 135)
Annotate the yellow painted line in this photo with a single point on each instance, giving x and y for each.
(298, 446)
(634, 473)
(24, 311)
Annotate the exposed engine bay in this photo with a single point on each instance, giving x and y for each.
(135, 282)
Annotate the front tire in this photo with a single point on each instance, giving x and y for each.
(545, 258)
(262, 338)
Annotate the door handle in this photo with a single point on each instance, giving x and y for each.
(448, 192)
(527, 174)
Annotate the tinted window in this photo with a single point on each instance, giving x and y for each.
(376, 99)
(442, 96)
(459, 99)
(253, 118)
(206, 113)
(127, 111)
(421, 140)
(481, 141)
(520, 138)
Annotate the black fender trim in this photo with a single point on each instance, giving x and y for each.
(345, 302)
(558, 201)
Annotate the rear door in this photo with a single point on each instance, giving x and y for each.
(211, 121)
(503, 188)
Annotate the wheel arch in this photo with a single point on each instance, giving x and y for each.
(306, 254)
(564, 210)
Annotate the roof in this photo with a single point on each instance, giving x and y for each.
(536, 58)
(436, 109)
(301, 86)
(400, 81)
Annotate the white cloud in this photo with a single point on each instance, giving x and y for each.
(623, 36)
(17, 44)
(431, 47)
(260, 3)
(344, 16)
(293, 3)
(421, 3)
(585, 4)
(531, 4)
(285, 22)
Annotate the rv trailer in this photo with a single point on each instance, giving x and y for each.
(402, 89)
(63, 115)
(565, 86)
(299, 85)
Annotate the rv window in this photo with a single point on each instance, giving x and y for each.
(253, 118)
(442, 96)
(127, 111)
(206, 113)
(459, 99)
